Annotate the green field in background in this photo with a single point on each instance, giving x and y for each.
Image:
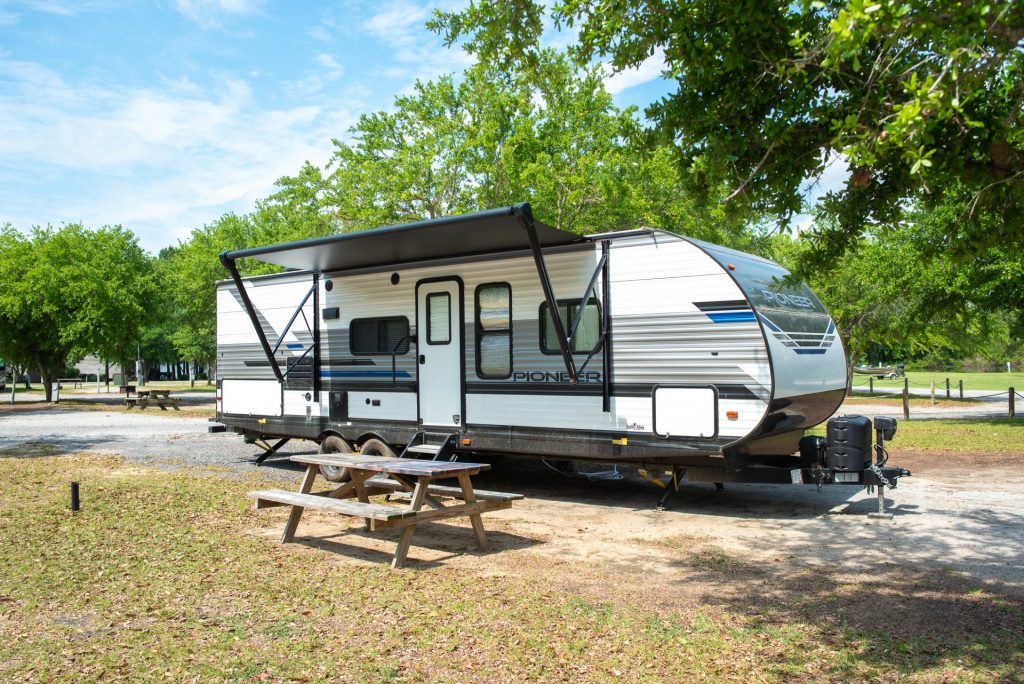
(994, 382)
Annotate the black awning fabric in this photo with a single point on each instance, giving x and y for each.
(496, 230)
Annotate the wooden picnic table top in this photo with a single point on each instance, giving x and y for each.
(156, 392)
(412, 467)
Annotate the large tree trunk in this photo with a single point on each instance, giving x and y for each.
(47, 375)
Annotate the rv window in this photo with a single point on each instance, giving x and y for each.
(379, 336)
(439, 319)
(494, 330)
(588, 334)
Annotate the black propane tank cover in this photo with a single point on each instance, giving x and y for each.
(849, 443)
(812, 451)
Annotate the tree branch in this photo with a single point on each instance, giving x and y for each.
(757, 169)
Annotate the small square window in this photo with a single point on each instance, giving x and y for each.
(588, 334)
(379, 336)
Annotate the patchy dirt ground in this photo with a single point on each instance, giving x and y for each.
(957, 517)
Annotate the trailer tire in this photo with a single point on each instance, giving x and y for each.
(375, 447)
(333, 444)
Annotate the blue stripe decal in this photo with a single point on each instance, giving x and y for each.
(831, 327)
(771, 326)
(810, 350)
(295, 346)
(732, 317)
(364, 374)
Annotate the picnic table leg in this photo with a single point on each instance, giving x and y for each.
(359, 482)
(419, 493)
(478, 523)
(293, 517)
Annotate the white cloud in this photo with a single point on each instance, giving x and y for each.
(332, 69)
(317, 80)
(159, 160)
(210, 13)
(420, 54)
(649, 70)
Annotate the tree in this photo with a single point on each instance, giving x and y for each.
(920, 98)
(549, 134)
(885, 295)
(69, 292)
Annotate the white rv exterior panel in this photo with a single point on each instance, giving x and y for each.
(382, 405)
(275, 298)
(296, 404)
(251, 397)
(685, 412)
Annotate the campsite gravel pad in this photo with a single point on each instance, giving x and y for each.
(958, 512)
(166, 441)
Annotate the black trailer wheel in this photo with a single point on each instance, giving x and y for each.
(375, 447)
(334, 444)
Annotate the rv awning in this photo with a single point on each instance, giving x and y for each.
(496, 230)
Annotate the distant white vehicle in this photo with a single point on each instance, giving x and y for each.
(881, 372)
(492, 333)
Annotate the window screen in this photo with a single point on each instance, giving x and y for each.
(375, 336)
(588, 334)
(439, 318)
(494, 330)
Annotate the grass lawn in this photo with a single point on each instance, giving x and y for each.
(160, 577)
(967, 435)
(993, 435)
(994, 382)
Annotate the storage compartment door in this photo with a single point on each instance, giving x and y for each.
(685, 412)
(251, 397)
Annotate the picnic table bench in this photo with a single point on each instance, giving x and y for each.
(161, 397)
(74, 382)
(407, 480)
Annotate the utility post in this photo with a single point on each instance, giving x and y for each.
(140, 379)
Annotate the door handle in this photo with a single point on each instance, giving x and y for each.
(423, 358)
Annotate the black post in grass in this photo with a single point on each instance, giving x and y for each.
(75, 502)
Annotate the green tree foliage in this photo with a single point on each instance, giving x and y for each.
(550, 135)
(922, 98)
(885, 295)
(68, 292)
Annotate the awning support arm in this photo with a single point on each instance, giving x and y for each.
(606, 335)
(586, 297)
(525, 216)
(292, 319)
(229, 264)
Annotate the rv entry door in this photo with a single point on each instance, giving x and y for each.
(439, 349)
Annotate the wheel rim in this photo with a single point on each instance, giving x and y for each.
(334, 445)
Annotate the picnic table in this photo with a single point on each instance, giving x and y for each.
(161, 397)
(408, 481)
(74, 382)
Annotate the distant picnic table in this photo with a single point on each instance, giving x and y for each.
(407, 480)
(142, 398)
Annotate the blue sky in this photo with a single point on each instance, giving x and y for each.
(163, 115)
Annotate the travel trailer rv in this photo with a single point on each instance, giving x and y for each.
(493, 333)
